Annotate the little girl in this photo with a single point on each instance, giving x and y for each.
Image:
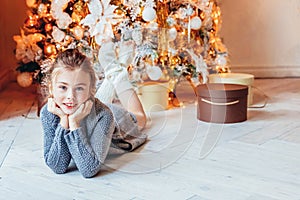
(78, 126)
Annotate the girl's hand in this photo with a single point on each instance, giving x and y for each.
(53, 108)
(83, 110)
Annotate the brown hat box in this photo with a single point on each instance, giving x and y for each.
(222, 103)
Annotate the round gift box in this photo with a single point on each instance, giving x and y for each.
(234, 78)
(222, 103)
(154, 96)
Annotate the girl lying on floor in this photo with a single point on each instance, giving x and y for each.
(78, 126)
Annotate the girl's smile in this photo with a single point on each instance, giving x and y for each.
(69, 106)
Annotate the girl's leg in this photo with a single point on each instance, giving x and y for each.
(116, 82)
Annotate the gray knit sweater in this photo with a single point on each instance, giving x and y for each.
(106, 129)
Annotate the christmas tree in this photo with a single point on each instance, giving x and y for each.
(173, 39)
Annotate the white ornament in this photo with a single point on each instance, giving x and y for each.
(196, 23)
(57, 34)
(154, 72)
(64, 20)
(149, 14)
(189, 10)
(172, 34)
(78, 32)
(171, 21)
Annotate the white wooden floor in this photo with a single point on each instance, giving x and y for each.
(258, 159)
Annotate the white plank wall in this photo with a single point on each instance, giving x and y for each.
(184, 158)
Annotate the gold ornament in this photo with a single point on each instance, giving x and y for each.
(78, 32)
(76, 17)
(50, 50)
(175, 60)
(31, 3)
(119, 11)
(80, 10)
(25, 79)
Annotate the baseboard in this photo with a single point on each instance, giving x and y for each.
(268, 71)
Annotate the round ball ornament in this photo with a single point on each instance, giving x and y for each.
(172, 34)
(154, 72)
(175, 60)
(50, 49)
(149, 14)
(196, 23)
(25, 79)
(119, 11)
(31, 3)
(78, 32)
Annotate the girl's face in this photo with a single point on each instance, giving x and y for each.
(70, 89)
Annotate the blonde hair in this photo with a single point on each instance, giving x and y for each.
(72, 59)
